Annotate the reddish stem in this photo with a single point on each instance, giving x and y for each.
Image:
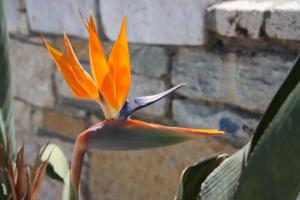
(79, 151)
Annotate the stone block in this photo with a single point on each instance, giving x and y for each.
(241, 18)
(189, 114)
(32, 71)
(258, 77)
(201, 70)
(63, 124)
(55, 17)
(148, 60)
(246, 80)
(147, 174)
(143, 86)
(284, 20)
(156, 22)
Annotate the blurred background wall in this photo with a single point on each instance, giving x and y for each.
(233, 54)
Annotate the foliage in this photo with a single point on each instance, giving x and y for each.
(19, 182)
(267, 167)
(6, 104)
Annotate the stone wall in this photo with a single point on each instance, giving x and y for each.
(233, 55)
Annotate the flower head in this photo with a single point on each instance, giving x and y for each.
(110, 81)
(111, 78)
(109, 86)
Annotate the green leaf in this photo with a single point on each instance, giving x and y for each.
(6, 98)
(4, 184)
(58, 167)
(193, 176)
(221, 183)
(272, 170)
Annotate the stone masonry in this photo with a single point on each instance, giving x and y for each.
(233, 54)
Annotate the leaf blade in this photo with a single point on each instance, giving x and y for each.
(193, 176)
(58, 166)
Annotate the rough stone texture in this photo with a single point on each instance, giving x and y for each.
(31, 73)
(154, 22)
(63, 124)
(194, 115)
(284, 20)
(201, 70)
(148, 60)
(64, 16)
(143, 86)
(238, 18)
(258, 77)
(245, 80)
(148, 174)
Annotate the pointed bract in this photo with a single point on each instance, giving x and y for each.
(119, 63)
(68, 72)
(100, 68)
(134, 134)
(179, 130)
(82, 76)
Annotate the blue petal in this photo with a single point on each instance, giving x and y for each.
(147, 100)
(126, 109)
(142, 102)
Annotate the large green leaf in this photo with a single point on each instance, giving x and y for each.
(221, 183)
(272, 169)
(6, 106)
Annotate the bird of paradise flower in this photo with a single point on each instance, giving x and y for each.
(109, 87)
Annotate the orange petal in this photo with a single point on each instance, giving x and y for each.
(99, 66)
(82, 76)
(64, 66)
(119, 63)
(137, 123)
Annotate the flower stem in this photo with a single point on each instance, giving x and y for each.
(79, 151)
